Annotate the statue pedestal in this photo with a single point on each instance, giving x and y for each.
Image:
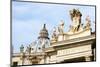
(53, 40)
(60, 37)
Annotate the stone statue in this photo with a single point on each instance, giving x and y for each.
(76, 19)
(22, 52)
(61, 27)
(33, 46)
(22, 48)
(88, 23)
(54, 33)
(28, 49)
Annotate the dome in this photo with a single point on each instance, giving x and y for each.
(43, 33)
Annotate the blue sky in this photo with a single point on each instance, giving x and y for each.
(28, 18)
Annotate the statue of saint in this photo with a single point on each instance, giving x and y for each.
(61, 27)
(88, 22)
(22, 48)
(54, 33)
(33, 46)
(28, 49)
